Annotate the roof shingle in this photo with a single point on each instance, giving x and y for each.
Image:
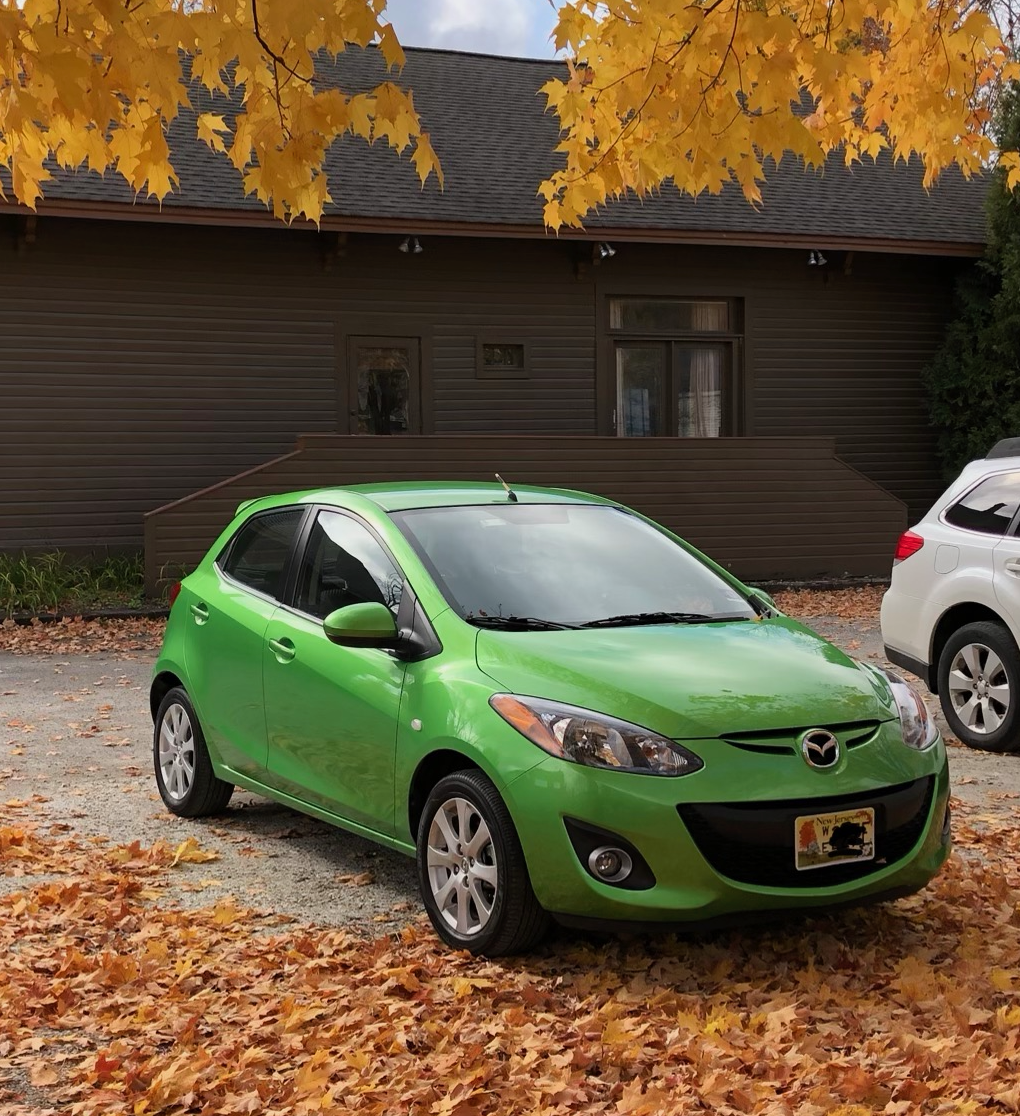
(496, 144)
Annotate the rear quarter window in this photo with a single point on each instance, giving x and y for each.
(989, 507)
(258, 554)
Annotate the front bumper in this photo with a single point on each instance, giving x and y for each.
(713, 855)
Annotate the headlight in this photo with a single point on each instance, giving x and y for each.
(593, 739)
(918, 728)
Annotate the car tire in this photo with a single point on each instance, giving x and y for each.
(477, 893)
(979, 686)
(184, 773)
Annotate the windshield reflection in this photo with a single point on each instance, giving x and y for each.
(550, 565)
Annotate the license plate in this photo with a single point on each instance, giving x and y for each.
(823, 839)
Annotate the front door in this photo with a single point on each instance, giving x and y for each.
(384, 385)
(331, 712)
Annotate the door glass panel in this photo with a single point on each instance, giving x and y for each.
(258, 555)
(700, 381)
(640, 382)
(384, 390)
(343, 565)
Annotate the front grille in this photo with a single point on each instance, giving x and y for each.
(753, 842)
(786, 742)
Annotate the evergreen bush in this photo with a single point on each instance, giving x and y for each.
(973, 382)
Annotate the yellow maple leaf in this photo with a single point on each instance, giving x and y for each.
(1001, 980)
(209, 126)
(190, 852)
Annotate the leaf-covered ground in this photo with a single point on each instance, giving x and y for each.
(67, 637)
(858, 603)
(112, 1001)
(116, 1000)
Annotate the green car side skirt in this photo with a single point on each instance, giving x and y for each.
(253, 785)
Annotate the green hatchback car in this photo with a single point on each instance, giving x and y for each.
(559, 707)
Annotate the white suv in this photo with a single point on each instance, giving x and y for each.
(952, 612)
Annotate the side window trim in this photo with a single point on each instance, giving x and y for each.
(289, 566)
(297, 553)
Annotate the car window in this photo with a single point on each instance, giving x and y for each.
(258, 555)
(344, 564)
(989, 506)
(569, 564)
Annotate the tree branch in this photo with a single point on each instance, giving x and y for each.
(278, 60)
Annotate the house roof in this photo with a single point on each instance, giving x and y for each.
(496, 144)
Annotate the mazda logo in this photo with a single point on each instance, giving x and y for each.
(819, 748)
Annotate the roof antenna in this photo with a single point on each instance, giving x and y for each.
(510, 494)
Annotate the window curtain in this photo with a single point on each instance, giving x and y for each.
(700, 402)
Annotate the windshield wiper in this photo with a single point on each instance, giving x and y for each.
(627, 618)
(518, 623)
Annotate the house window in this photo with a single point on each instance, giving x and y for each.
(499, 359)
(674, 363)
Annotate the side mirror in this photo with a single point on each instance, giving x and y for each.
(370, 624)
(759, 596)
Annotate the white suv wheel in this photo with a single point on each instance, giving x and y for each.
(978, 683)
(979, 688)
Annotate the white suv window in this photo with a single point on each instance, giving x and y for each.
(989, 507)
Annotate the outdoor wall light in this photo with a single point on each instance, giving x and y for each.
(605, 251)
(816, 259)
(410, 244)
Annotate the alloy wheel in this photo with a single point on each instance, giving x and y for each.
(462, 871)
(979, 688)
(177, 752)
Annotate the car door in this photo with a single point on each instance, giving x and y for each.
(331, 711)
(230, 606)
(1006, 556)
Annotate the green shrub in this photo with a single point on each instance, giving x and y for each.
(56, 583)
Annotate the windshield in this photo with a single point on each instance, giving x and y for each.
(567, 565)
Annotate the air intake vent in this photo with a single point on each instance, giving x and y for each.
(753, 842)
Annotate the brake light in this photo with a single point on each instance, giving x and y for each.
(173, 594)
(910, 543)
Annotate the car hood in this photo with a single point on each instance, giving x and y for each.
(690, 681)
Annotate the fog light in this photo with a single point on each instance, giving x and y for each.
(609, 864)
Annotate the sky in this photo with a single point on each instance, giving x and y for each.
(513, 27)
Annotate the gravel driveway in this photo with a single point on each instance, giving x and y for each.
(75, 751)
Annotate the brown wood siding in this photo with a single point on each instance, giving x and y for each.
(133, 373)
(764, 507)
(844, 357)
(140, 363)
(835, 350)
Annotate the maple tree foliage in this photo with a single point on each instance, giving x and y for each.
(700, 93)
(98, 82)
(706, 93)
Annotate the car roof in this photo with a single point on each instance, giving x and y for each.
(984, 466)
(403, 495)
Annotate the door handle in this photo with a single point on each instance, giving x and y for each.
(200, 612)
(283, 649)
(1013, 566)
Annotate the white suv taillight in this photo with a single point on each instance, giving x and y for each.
(910, 543)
